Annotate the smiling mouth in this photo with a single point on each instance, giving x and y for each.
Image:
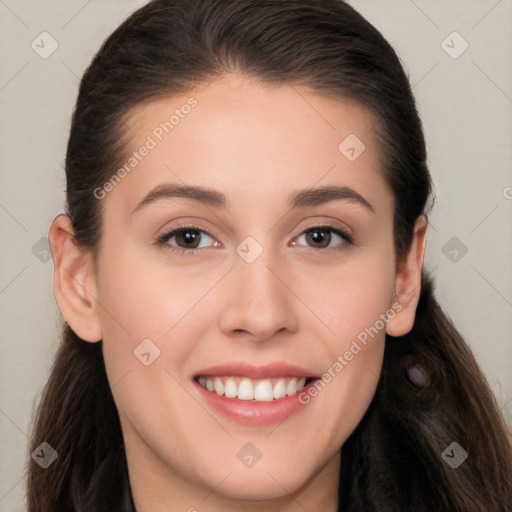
(256, 390)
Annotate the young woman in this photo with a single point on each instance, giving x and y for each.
(248, 324)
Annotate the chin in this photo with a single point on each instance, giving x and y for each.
(254, 489)
(257, 483)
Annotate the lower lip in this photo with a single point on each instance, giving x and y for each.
(252, 413)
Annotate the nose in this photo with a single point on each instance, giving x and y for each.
(260, 303)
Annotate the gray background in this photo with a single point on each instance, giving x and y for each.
(465, 102)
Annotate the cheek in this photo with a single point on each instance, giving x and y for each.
(151, 323)
(136, 309)
(350, 297)
(145, 299)
(354, 303)
(151, 309)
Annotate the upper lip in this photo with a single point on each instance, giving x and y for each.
(267, 371)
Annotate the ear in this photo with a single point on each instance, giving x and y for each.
(74, 280)
(408, 282)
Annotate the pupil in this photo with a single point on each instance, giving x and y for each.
(320, 236)
(189, 235)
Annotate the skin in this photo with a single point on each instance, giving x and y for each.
(297, 303)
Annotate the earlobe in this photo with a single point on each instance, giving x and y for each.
(74, 281)
(408, 283)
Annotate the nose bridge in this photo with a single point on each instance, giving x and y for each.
(259, 302)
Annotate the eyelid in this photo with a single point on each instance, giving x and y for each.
(162, 240)
(342, 232)
(325, 221)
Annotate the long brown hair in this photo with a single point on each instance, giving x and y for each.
(393, 460)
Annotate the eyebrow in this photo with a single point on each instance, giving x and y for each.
(214, 198)
(199, 193)
(317, 196)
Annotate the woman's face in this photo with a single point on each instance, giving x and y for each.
(255, 296)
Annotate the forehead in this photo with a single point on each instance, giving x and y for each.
(248, 139)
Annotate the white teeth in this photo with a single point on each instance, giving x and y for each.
(280, 389)
(243, 388)
(291, 387)
(218, 385)
(263, 391)
(230, 388)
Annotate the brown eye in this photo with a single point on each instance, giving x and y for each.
(321, 237)
(186, 238)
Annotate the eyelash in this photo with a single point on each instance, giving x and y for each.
(162, 241)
